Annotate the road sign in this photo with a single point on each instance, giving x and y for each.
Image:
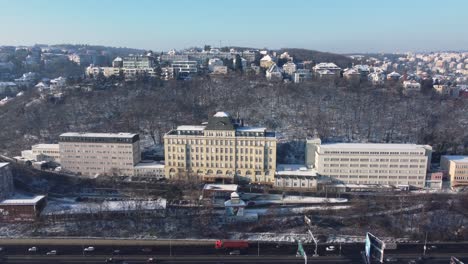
(374, 248)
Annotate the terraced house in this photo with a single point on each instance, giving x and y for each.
(222, 150)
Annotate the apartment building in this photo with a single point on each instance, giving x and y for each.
(138, 62)
(92, 154)
(356, 163)
(224, 149)
(184, 67)
(456, 168)
(6, 180)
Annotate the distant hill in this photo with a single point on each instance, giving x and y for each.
(318, 56)
(117, 50)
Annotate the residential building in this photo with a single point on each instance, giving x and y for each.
(274, 73)
(138, 62)
(456, 168)
(394, 76)
(295, 176)
(184, 67)
(27, 79)
(220, 69)
(92, 154)
(222, 150)
(372, 163)
(352, 75)
(117, 62)
(327, 66)
(106, 71)
(302, 75)
(6, 180)
(289, 68)
(411, 87)
(267, 61)
(214, 62)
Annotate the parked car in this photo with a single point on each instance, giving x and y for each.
(151, 260)
(116, 252)
(330, 248)
(52, 252)
(234, 253)
(390, 259)
(110, 260)
(32, 249)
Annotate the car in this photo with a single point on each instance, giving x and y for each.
(390, 259)
(116, 252)
(110, 260)
(32, 249)
(88, 249)
(1, 249)
(433, 247)
(234, 252)
(151, 260)
(330, 248)
(51, 253)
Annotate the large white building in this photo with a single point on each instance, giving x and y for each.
(356, 163)
(224, 149)
(42, 152)
(94, 154)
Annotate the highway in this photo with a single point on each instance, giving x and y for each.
(193, 251)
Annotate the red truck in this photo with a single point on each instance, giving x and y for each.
(231, 244)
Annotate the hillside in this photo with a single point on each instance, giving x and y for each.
(295, 111)
(318, 56)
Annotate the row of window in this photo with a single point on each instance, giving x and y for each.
(375, 171)
(221, 142)
(372, 165)
(375, 160)
(371, 153)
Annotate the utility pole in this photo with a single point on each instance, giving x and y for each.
(258, 247)
(170, 246)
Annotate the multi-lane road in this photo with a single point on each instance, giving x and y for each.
(193, 251)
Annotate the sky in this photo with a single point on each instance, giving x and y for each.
(341, 26)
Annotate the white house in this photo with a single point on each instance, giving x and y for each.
(274, 73)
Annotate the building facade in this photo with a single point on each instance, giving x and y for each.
(46, 152)
(456, 168)
(386, 164)
(6, 180)
(224, 149)
(92, 154)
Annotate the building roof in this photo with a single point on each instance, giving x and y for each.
(98, 135)
(3, 164)
(374, 146)
(23, 201)
(294, 170)
(221, 114)
(190, 128)
(149, 165)
(221, 187)
(251, 129)
(456, 158)
(49, 146)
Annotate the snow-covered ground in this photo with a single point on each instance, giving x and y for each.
(273, 237)
(264, 199)
(64, 206)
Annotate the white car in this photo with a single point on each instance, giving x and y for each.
(52, 252)
(88, 249)
(330, 248)
(32, 249)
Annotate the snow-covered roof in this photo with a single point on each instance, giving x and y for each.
(295, 170)
(221, 114)
(97, 135)
(394, 74)
(221, 187)
(149, 165)
(370, 146)
(251, 129)
(23, 201)
(3, 164)
(190, 128)
(118, 59)
(48, 146)
(456, 158)
(266, 58)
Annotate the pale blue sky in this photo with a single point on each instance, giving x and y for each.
(326, 25)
